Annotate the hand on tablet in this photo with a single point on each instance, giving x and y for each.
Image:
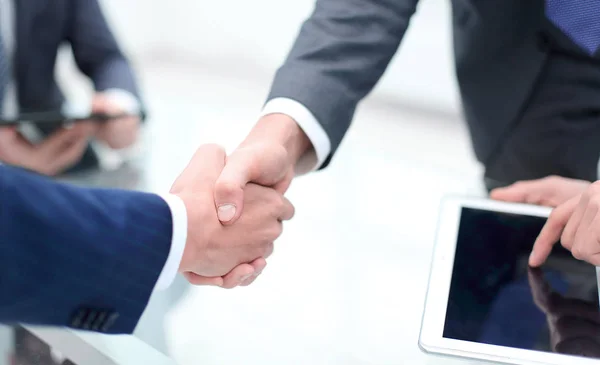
(576, 223)
(574, 323)
(550, 191)
(59, 151)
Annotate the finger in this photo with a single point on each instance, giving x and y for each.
(62, 139)
(8, 133)
(284, 184)
(13, 143)
(259, 265)
(66, 158)
(551, 232)
(584, 239)
(195, 279)
(237, 276)
(287, 210)
(568, 235)
(203, 169)
(262, 165)
(532, 192)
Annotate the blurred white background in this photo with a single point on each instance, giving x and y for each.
(253, 38)
(205, 68)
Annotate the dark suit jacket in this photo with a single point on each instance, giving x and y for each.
(346, 45)
(42, 26)
(84, 258)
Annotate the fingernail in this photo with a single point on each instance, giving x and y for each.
(226, 212)
(245, 277)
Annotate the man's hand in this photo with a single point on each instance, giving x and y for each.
(219, 255)
(56, 153)
(550, 191)
(577, 224)
(119, 133)
(267, 157)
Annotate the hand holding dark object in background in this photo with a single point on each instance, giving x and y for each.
(55, 154)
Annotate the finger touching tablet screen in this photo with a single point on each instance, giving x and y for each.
(485, 302)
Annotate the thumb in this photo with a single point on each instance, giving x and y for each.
(264, 165)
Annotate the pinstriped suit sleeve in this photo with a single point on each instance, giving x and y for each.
(84, 258)
(340, 54)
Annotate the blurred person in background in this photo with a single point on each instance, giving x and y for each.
(31, 33)
(528, 71)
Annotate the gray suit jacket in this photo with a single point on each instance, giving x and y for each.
(346, 45)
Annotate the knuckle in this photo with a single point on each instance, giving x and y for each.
(554, 217)
(226, 187)
(210, 149)
(552, 178)
(593, 189)
(279, 203)
(594, 201)
(272, 199)
(519, 184)
(279, 152)
(292, 210)
(534, 198)
(578, 253)
(277, 230)
(565, 241)
(268, 251)
(229, 285)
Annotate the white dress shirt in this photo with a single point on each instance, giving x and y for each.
(314, 158)
(130, 104)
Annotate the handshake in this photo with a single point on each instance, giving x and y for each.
(232, 223)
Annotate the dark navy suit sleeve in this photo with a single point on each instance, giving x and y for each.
(96, 50)
(78, 257)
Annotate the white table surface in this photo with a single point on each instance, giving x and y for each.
(345, 285)
(347, 281)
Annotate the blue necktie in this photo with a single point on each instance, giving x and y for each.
(4, 73)
(578, 19)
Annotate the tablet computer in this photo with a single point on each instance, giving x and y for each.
(58, 118)
(485, 302)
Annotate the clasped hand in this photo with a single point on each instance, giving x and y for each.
(232, 254)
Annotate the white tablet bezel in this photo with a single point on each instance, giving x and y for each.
(431, 338)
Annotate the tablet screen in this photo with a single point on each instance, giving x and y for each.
(496, 299)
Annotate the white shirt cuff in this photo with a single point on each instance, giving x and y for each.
(178, 240)
(314, 158)
(124, 99)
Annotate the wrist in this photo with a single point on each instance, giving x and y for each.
(281, 129)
